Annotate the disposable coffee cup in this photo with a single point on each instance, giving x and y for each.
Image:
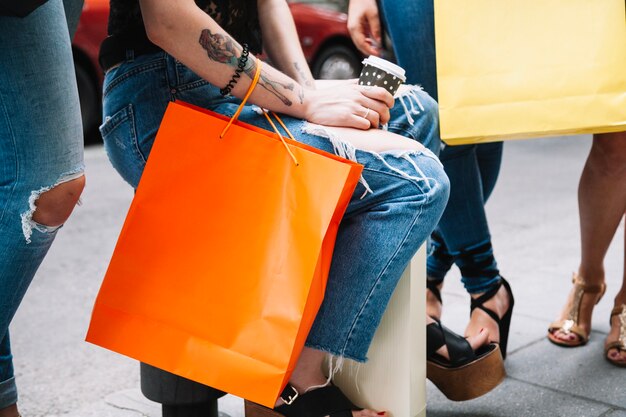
(382, 73)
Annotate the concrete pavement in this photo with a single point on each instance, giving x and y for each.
(534, 223)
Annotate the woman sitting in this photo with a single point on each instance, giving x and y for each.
(161, 51)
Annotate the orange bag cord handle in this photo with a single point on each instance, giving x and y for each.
(255, 81)
(245, 98)
(295, 161)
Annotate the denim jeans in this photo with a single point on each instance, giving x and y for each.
(462, 235)
(457, 240)
(411, 27)
(41, 145)
(393, 210)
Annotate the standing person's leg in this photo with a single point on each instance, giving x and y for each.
(488, 157)
(421, 69)
(615, 345)
(460, 233)
(602, 203)
(466, 234)
(41, 175)
(411, 26)
(602, 189)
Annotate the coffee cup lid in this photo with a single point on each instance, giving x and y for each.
(385, 65)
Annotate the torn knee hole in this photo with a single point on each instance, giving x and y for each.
(50, 207)
(54, 206)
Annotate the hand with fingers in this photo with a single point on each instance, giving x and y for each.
(364, 26)
(349, 105)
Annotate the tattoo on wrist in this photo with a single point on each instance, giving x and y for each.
(301, 95)
(305, 79)
(273, 86)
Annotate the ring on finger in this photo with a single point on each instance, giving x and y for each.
(366, 113)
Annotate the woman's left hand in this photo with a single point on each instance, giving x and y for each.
(364, 26)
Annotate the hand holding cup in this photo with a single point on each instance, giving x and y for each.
(382, 73)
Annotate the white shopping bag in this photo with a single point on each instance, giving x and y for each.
(394, 378)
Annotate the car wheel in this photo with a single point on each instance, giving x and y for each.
(89, 104)
(337, 62)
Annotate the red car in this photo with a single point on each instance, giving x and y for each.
(323, 32)
(321, 28)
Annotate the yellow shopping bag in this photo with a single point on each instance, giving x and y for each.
(521, 68)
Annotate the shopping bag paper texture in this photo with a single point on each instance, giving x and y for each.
(222, 261)
(523, 68)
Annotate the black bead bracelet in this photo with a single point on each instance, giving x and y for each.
(243, 60)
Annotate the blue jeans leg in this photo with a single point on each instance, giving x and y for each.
(411, 26)
(415, 115)
(40, 147)
(8, 389)
(489, 158)
(473, 171)
(378, 237)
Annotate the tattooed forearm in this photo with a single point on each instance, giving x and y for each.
(220, 48)
(303, 77)
(272, 85)
(223, 49)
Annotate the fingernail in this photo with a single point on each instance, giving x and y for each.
(382, 413)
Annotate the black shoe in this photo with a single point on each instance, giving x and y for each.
(467, 374)
(504, 323)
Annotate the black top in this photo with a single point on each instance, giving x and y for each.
(126, 29)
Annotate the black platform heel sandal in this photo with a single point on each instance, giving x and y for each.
(320, 402)
(467, 374)
(504, 323)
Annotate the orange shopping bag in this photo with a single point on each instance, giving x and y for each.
(222, 262)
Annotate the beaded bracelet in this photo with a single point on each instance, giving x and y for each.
(243, 60)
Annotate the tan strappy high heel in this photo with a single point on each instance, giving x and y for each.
(571, 323)
(620, 343)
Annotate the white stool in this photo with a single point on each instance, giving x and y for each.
(394, 378)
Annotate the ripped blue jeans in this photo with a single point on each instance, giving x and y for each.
(392, 212)
(41, 145)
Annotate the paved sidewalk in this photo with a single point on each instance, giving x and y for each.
(533, 215)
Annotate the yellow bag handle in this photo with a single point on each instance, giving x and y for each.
(255, 81)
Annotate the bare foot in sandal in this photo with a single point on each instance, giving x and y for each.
(312, 386)
(476, 340)
(574, 324)
(462, 368)
(615, 345)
